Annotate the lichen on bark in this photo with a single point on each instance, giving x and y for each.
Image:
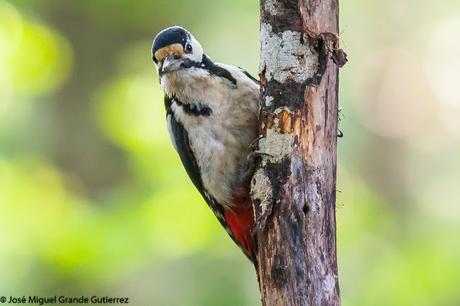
(288, 54)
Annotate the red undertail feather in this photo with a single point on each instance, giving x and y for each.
(241, 222)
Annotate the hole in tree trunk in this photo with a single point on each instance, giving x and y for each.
(305, 209)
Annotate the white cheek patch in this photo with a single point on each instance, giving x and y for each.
(197, 50)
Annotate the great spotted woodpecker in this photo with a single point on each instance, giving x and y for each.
(212, 117)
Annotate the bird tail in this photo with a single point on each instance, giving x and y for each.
(241, 223)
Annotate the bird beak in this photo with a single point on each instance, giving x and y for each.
(170, 64)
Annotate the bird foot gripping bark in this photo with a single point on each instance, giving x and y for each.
(253, 158)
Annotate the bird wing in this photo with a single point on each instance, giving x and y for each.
(181, 143)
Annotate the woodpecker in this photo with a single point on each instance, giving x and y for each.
(212, 117)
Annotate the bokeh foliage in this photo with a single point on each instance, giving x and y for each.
(93, 199)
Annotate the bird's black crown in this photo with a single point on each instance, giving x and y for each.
(169, 36)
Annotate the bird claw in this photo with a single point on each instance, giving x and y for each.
(252, 163)
(252, 157)
(255, 143)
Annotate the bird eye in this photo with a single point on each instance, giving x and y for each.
(188, 47)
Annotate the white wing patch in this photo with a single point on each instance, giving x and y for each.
(171, 135)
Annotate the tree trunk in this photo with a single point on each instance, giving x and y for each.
(294, 187)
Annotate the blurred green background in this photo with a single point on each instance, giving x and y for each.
(93, 200)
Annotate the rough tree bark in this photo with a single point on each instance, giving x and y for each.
(294, 187)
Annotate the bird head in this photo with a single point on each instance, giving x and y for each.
(174, 49)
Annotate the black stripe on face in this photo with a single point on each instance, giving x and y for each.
(169, 36)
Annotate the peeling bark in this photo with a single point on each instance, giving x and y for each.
(293, 189)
